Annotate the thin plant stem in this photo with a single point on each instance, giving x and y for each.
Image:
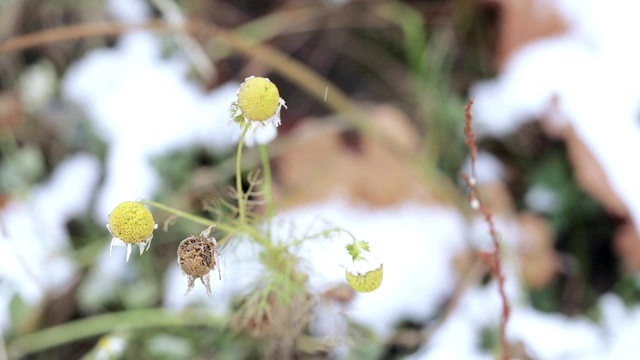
(324, 233)
(268, 196)
(107, 323)
(493, 259)
(186, 215)
(241, 209)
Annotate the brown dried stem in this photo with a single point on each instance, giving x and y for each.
(492, 259)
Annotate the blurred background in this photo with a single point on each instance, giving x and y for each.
(104, 101)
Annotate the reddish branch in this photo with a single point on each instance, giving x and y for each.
(492, 259)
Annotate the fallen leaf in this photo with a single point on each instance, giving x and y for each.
(539, 261)
(327, 161)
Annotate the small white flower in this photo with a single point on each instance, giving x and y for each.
(131, 223)
(257, 106)
(110, 347)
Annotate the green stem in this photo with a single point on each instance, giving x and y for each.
(241, 210)
(186, 215)
(107, 323)
(268, 198)
(324, 233)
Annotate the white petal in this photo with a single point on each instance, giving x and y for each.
(128, 251)
(260, 134)
(206, 281)
(117, 242)
(367, 262)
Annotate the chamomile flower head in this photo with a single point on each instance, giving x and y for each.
(197, 256)
(364, 271)
(257, 105)
(131, 223)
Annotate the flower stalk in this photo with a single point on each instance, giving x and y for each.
(239, 191)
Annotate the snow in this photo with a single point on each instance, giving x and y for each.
(592, 69)
(33, 237)
(413, 242)
(128, 11)
(542, 200)
(488, 168)
(554, 336)
(144, 106)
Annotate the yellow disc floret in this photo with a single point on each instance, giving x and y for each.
(365, 282)
(131, 222)
(258, 98)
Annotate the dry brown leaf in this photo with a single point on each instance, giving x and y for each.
(11, 111)
(327, 162)
(340, 293)
(539, 261)
(524, 21)
(626, 242)
(587, 170)
(498, 198)
(590, 176)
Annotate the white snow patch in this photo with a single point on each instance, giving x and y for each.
(414, 242)
(34, 237)
(592, 69)
(144, 106)
(129, 11)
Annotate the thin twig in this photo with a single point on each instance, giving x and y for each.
(492, 259)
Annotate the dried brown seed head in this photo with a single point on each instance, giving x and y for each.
(197, 256)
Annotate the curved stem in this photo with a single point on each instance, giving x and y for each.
(324, 233)
(106, 323)
(241, 209)
(186, 215)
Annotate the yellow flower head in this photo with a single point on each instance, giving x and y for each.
(131, 223)
(364, 272)
(259, 101)
(258, 98)
(366, 282)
